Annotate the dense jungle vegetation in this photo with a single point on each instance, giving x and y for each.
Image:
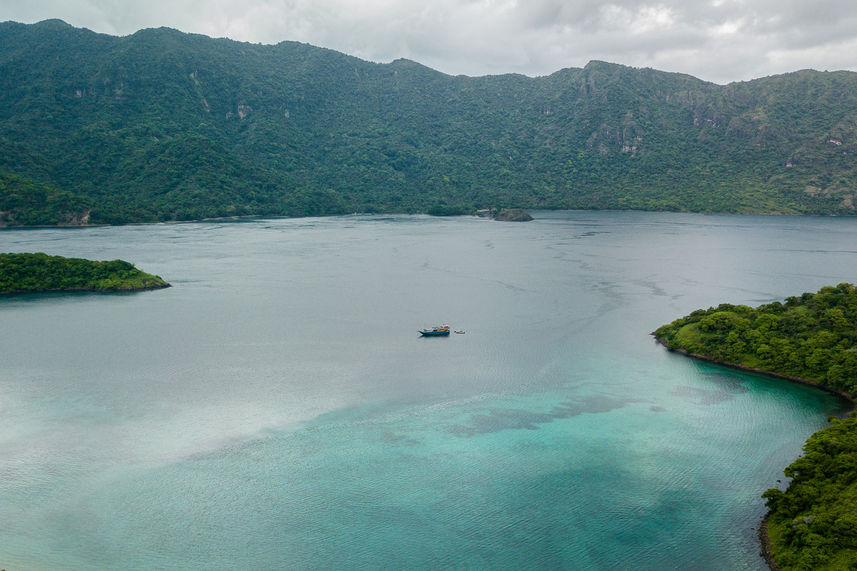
(162, 125)
(23, 273)
(813, 524)
(811, 336)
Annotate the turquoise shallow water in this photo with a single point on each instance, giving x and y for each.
(277, 409)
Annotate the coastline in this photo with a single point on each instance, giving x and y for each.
(800, 380)
(764, 538)
(86, 290)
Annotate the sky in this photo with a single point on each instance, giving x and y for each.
(715, 40)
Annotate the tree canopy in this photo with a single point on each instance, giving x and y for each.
(23, 273)
(811, 336)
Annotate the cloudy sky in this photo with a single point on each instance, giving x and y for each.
(716, 40)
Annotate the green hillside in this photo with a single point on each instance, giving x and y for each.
(162, 125)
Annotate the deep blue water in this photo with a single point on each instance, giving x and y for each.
(276, 407)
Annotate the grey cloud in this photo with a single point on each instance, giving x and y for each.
(717, 40)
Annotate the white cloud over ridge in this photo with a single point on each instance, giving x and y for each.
(716, 40)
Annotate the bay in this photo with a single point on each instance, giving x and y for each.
(276, 407)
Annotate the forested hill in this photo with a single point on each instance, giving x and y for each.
(162, 125)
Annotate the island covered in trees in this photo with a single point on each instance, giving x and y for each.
(24, 273)
(809, 338)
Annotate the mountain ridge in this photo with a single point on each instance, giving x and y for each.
(162, 125)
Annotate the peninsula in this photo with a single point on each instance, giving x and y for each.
(811, 339)
(25, 273)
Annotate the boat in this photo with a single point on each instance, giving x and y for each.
(437, 331)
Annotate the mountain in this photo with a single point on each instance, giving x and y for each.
(163, 125)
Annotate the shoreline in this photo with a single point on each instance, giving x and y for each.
(87, 290)
(764, 539)
(242, 217)
(799, 380)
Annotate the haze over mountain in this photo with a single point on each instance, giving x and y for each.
(162, 125)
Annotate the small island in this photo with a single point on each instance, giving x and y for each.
(513, 215)
(30, 273)
(505, 214)
(810, 339)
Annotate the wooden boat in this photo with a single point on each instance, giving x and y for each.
(438, 331)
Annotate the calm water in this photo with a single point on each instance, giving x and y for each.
(277, 409)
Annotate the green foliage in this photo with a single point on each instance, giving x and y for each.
(21, 273)
(162, 125)
(813, 336)
(813, 524)
(26, 202)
